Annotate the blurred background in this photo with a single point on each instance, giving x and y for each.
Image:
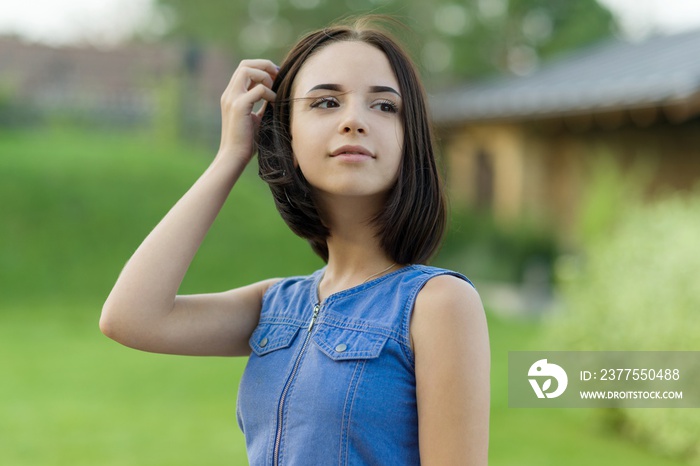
(569, 136)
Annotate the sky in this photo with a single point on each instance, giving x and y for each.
(641, 17)
(106, 22)
(59, 22)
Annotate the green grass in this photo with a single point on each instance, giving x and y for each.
(74, 207)
(549, 437)
(72, 397)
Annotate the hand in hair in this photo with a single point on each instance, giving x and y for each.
(250, 83)
(143, 310)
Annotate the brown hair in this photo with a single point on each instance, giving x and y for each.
(412, 222)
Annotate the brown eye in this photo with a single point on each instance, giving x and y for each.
(325, 102)
(386, 106)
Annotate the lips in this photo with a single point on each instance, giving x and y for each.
(352, 150)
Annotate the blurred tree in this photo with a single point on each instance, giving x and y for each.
(452, 40)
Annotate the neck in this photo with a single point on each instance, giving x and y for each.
(354, 252)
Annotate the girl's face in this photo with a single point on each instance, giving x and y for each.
(347, 132)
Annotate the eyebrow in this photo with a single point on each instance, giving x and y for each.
(339, 88)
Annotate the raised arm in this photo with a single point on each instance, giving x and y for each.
(451, 346)
(143, 310)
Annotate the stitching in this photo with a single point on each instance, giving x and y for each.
(366, 286)
(358, 326)
(347, 411)
(371, 349)
(285, 423)
(278, 320)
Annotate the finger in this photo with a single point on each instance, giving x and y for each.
(262, 92)
(261, 64)
(256, 94)
(245, 80)
(254, 67)
(257, 77)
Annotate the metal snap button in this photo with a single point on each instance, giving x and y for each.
(263, 343)
(341, 347)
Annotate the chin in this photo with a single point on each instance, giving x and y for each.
(356, 193)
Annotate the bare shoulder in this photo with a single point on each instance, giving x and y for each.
(447, 304)
(449, 288)
(450, 342)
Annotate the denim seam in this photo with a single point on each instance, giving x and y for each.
(270, 290)
(381, 331)
(329, 350)
(347, 411)
(285, 424)
(315, 279)
(406, 317)
(410, 303)
(366, 286)
(274, 344)
(298, 278)
(358, 327)
(277, 320)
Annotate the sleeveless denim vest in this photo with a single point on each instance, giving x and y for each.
(333, 383)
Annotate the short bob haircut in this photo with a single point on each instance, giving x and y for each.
(411, 225)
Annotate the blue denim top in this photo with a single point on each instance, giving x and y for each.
(334, 382)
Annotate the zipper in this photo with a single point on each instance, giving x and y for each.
(280, 408)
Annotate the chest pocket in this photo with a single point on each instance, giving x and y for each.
(270, 337)
(341, 344)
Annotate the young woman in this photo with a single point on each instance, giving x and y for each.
(374, 359)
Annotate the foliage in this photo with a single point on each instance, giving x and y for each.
(489, 250)
(453, 40)
(637, 290)
(610, 189)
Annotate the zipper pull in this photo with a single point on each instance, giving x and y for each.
(317, 308)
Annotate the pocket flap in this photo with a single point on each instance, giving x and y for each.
(340, 344)
(270, 337)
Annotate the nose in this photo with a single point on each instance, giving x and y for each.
(352, 121)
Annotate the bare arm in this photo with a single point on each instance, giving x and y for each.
(143, 310)
(451, 347)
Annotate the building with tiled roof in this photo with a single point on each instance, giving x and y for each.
(525, 146)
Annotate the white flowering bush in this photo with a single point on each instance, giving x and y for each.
(637, 288)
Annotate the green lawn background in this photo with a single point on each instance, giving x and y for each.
(74, 207)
